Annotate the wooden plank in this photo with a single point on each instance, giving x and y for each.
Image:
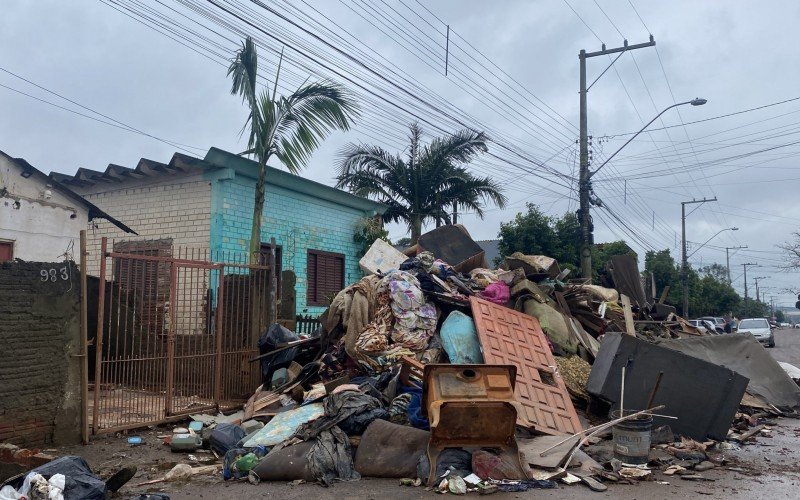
(664, 295)
(626, 305)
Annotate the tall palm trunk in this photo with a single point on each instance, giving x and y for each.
(416, 228)
(258, 306)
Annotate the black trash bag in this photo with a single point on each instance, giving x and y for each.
(225, 437)
(80, 482)
(338, 407)
(272, 337)
(331, 458)
(355, 425)
(458, 461)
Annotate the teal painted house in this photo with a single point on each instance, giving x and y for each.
(313, 224)
(207, 204)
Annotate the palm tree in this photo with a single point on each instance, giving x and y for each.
(423, 186)
(286, 127)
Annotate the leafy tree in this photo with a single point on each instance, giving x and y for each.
(422, 186)
(780, 317)
(403, 242)
(535, 233)
(531, 233)
(288, 128)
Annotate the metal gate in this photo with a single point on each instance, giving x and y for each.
(174, 335)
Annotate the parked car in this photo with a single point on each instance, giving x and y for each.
(758, 328)
(796, 325)
(701, 325)
(785, 325)
(716, 324)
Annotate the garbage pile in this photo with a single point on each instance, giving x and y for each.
(440, 371)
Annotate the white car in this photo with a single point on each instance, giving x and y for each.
(758, 328)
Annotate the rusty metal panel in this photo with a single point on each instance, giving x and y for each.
(511, 337)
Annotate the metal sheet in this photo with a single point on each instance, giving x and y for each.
(510, 337)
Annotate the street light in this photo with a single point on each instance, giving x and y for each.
(697, 101)
(685, 257)
(718, 233)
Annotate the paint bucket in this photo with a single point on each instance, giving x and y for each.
(632, 439)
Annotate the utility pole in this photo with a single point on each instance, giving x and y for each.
(756, 279)
(728, 260)
(584, 183)
(744, 266)
(684, 259)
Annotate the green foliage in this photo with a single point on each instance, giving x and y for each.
(289, 127)
(780, 317)
(368, 230)
(404, 242)
(535, 233)
(426, 184)
(709, 291)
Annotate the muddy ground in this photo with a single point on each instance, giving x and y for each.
(768, 468)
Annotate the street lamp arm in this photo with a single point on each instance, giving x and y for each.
(717, 234)
(693, 102)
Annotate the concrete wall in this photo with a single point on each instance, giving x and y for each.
(170, 207)
(299, 222)
(39, 338)
(42, 226)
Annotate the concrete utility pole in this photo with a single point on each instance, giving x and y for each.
(584, 184)
(684, 259)
(756, 279)
(744, 266)
(728, 260)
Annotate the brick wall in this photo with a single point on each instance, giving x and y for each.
(172, 207)
(297, 221)
(39, 338)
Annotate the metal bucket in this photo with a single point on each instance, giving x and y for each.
(632, 439)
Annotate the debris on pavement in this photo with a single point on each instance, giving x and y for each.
(437, 370)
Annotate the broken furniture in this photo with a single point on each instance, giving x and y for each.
(703, 396)
(471, 406)
(511, 337)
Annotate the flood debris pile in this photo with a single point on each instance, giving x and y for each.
(440, 371)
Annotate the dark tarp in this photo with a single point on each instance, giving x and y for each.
(627, 280)
(331, 458)
(743, 354)
(81, 483)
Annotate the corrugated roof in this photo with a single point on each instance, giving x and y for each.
(56, 181)
(216, 159)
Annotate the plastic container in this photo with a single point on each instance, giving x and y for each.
(632, 439)
(185, 442)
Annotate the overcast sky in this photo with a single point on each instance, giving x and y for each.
(512, 71)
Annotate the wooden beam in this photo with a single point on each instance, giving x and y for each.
(626, 305)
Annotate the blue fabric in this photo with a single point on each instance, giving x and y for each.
(414, 410)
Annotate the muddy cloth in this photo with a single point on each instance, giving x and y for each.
(414, 410)
(80, 483)
(353, 308)
(287, 464)
(374, 338)
(487, 464)
(356, 424)
(414, 318)
(497, 292)
(337, 407)
(330, 457)
(456, 460)
(398, 410)
(553, 325)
